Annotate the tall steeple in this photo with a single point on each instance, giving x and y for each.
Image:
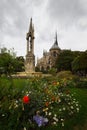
(55, 45)
(30, 38)
(30, 27)
(56, 39)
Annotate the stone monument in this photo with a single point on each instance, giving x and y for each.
(30, 57)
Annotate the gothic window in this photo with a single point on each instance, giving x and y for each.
(42, 68)
(48, 61)
(54, 54)
(48, 67)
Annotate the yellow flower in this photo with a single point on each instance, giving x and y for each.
(58, 83)
(45, 109)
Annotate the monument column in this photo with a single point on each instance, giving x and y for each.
(30, 58)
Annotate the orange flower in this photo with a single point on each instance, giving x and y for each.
(46, 104)
(54, 83)
(53, 98)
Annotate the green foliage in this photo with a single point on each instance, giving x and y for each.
(74, 61)
(10, 64)
(19, 64)
(6, 63)
(64, 60)
(52, 71)
(80, 63)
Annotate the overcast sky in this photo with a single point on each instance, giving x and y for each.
(67, 17)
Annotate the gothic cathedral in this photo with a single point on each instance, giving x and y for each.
(49, 58)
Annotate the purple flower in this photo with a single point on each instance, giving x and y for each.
(40, 121)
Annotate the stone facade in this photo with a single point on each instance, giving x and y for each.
(49, 58)
(30, 57)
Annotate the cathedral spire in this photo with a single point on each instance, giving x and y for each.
(55, 45)
(56, 42)
(30, 27)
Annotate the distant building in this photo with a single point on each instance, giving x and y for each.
(49, 58)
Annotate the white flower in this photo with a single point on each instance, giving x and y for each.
(24, 128)
(55, 115)
(62, 119)
(68, 103)
(64, 108)
(77, 109)
(46, 113)
(49, 113)
(51, 107)
(45, 120)
(62, 123)
(74, 99)
(59, 100)
(55, 119)
(54, 123)
(22, 91)
(16, 106)
(16, 101)
(60, 109)
(30, 92)
(77, 105)
(3, 114)
(72, 107)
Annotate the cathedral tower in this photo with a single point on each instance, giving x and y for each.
(30, 57)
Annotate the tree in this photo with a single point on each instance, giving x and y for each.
(9, 63)
(6, 63)
(19, 64)
(64, 60)
(79, 65)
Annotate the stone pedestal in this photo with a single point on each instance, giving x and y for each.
(30, 63)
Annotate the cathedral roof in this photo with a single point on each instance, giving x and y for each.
(55, 45)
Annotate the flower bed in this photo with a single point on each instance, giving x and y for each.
(38, 104)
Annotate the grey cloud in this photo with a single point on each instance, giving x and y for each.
(66, 11)
(13, 17)
(48, 16)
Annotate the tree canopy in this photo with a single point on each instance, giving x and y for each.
(64, 60)
(9, 63)
(80, 63)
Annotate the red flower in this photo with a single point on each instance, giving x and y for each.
(26, 99)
